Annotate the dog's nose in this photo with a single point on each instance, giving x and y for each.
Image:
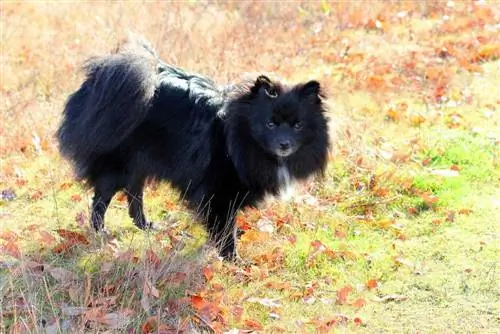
(284, 145)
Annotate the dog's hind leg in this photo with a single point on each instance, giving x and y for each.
(104, 189)
(136, 205)
(222, 231)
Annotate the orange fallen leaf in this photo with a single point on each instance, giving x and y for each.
(73, 237)
(342, 294)
(371, 284)
(9, 235)
(150, 325)
(11, 249)
(198, 302)
(254, 236)
(76, 198)
(360, 302)
(207, 272)
(152, 258)
(253, 325)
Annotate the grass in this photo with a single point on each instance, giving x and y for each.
(399, 236)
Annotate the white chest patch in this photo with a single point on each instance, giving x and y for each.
(285, 182)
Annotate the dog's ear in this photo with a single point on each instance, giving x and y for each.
(264, 83)
(311, 90)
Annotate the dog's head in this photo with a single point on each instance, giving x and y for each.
(280, 119)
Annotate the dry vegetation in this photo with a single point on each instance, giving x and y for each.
(400, 236)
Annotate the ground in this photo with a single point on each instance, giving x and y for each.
(400, 235)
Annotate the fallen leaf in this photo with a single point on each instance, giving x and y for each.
(150, 325)
(46, 238)
(11, 249)
(342, 294)
(360, 302)
(62, 275)
(207, 272)
(9, 235)
(149, 289)
(254, 236)
(152, 258)
(450, 216)
(371, 284)
(197, 302)
(114, 320)
(278, 285)
(73, 237)
(252, 324)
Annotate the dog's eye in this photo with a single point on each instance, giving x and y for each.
(271, 92)
(271, 125)
(297, 126)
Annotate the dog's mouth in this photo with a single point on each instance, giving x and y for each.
(284, 152)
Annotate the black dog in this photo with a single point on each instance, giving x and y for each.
(223, 148)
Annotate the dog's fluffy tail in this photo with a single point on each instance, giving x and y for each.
(112, 101)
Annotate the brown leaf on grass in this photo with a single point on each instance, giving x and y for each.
(150, 325)
(73, 237)
(46, 238)
(416, 119)
(152, 258)
(36, 195)
(63, 247)
(207, 272)
(9, 235)
(103, 302)
(465, 211)
(341, 234)
(149, 289)
(278, 285)
(450, 216)
(76, 198)
(359, 303)
(175, 279)
(254, 236)
(81, 219)
(253, 325)
(358, 321)
(390, 298)
(11, 248)
(237, 312)
(197, 302)
(371, 284)
(62, 275)
(114, 320)
(342, 294)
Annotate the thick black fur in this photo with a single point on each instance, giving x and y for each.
(221, 147)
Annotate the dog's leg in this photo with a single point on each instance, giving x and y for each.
(227, 241)
(223, 233)
(100, 204)
(104, 189)
(135, 204)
